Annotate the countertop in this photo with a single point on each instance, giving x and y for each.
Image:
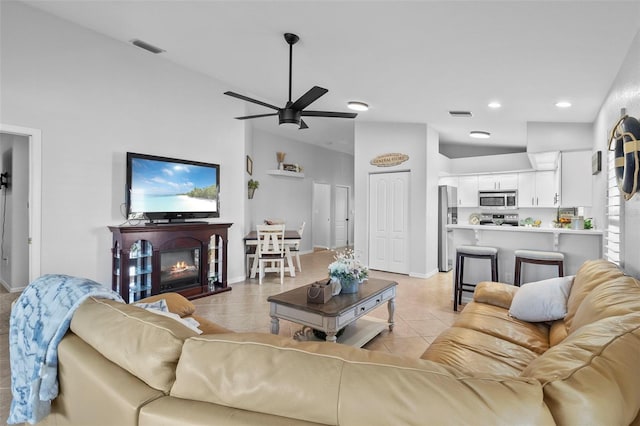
(503, 228)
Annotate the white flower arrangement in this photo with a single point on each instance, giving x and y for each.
(347, 269)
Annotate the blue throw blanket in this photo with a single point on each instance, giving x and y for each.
(39, 320)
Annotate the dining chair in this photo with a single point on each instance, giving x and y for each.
(294, 248)
(250, 256)
(270, 249)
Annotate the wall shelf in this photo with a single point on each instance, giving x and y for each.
(285, 173)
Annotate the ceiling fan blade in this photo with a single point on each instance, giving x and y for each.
(303, 125)
(255, 101)
(329, 114)
(308, 98)
(256, 116)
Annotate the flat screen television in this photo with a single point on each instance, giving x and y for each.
(170, 189)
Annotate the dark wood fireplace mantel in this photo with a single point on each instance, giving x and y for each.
(136, 258)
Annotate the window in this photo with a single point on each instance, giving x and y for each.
(613, 238)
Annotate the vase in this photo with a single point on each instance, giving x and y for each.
(349, 285)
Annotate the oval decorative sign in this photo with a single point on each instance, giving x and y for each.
(388, 160)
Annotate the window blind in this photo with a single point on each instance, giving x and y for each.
(613, 240)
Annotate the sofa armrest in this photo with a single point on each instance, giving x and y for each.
(495, 293)
(176, 303)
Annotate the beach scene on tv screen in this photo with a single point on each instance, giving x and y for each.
(160, 186)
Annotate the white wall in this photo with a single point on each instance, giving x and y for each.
(544, 136)
(624, 93)
(95, 98)
(373, 139)
(291, 198)
(490, 164)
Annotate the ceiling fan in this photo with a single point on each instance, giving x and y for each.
(293, 112)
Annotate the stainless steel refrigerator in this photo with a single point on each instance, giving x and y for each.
(447, 214)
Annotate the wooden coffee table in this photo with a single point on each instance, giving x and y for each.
(337, 313)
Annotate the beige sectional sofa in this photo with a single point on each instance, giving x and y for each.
(122, 365)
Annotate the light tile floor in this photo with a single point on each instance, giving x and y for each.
(423, 306)
(423, 310)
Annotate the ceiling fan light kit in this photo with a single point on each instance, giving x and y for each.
(293, 112)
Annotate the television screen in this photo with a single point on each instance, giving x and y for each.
(168, 188)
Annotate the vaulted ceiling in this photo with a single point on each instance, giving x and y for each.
(411, 61)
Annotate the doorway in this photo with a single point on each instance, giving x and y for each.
(21, 206)
(341, 215)
(389, 222)
(321, 217)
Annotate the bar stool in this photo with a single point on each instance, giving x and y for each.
(476, 252)
(553, 258)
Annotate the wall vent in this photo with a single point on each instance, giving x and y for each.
(460, 113)
(146, 46)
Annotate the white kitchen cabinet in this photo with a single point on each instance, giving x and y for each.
(468, 191)
(539, 189)
(527, 189)
(498, 182)
(577, 185)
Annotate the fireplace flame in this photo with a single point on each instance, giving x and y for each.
(179, 267)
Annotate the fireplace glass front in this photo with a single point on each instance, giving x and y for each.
(179, 269)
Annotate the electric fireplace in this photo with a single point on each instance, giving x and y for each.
(179, 269)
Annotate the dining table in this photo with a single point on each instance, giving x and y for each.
(291, 238)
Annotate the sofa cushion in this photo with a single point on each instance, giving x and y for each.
(335, 384)
(93, 390)
(145, 344)
(592, 376)
(591, 274)
(557, 332)
(471, 350)
(544, 300)
(496, 322)
(618, 296)
(170, 411)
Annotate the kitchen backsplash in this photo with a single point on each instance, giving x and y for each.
(547, 216)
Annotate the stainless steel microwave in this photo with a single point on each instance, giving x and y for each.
(498, 199)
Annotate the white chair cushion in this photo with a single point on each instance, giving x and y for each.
(477, 250)
(540, 255)
(542, 300)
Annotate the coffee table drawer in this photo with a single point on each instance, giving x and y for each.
(369, 304)
(298, 315)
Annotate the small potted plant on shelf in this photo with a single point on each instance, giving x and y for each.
(252, 185)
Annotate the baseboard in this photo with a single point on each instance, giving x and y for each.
(425, 276)
(10, 289)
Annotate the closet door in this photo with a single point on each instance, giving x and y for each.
(389, 222)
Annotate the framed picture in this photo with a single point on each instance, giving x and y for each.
(249, 165)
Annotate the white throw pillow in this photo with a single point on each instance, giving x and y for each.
(542, 300)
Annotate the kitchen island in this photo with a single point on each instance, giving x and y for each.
(577, 246)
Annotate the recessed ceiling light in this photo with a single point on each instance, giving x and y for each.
(494, 104)
(479, 134)
(563, 104)
(357, 106)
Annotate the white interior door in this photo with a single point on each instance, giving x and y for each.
(341, 216)
(321, 219)
(389, 222)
